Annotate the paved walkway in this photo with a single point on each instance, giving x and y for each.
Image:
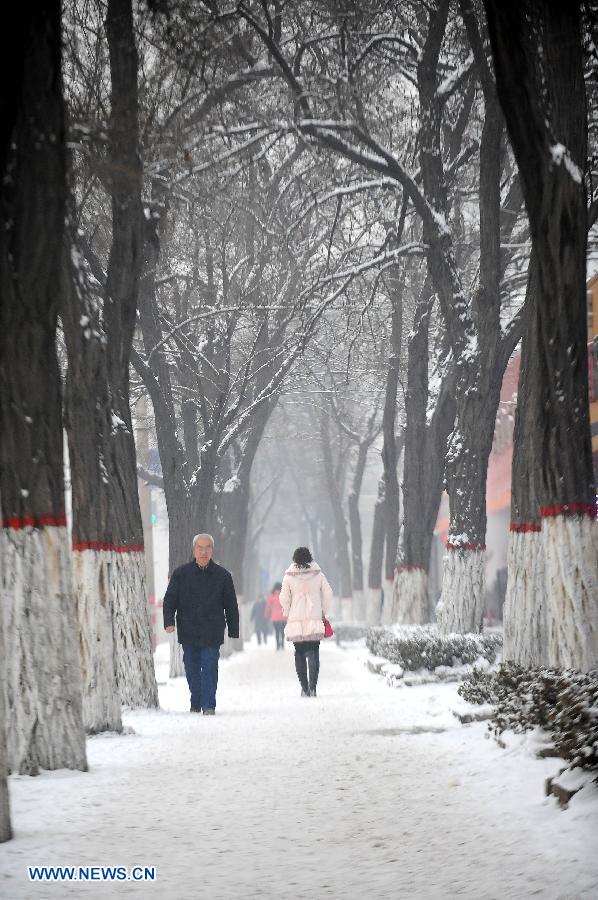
(365, 791)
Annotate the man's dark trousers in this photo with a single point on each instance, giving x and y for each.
(201, 669)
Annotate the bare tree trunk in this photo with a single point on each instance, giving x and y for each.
(410, 595)
(235, 501)
(137, 682)
(425, 451)
(108, 557)
(93, 470)
(390, 450)
(233, 512)
(460, 606)
(334, 489)
(524, 614)
(356, 557)
(412, 601)
(480, 350)
(234, 508)
(543, 98)
(359, 611)
(376, 561)
(5, 827)
(191, 508)
(43, 682)
(188, 473)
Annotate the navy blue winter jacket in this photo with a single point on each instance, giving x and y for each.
(204, 601)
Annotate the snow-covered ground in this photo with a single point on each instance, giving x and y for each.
(364, 791)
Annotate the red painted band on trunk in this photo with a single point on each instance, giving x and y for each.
(106, 545)
(465, 546)
(374, 587)
(569, 509)
(410, 567)
(17, 522)
(522, 528)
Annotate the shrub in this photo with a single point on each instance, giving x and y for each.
(346, 632)
(416, 647)
(562, 702)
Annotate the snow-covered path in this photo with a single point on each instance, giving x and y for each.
(363, 791)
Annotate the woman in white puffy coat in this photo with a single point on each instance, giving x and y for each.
(305, 598)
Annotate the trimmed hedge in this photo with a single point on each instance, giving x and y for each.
(345, 632)
(416, 647)
(562, 702)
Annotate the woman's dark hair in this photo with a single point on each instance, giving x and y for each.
(277, 586)
(302, 557)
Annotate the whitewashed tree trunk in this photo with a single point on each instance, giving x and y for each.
(410, 606)
(571, 558)
(388, 607)
(115, 635)
(132, 631)
(372, 609)
(44, 715)
(93, 586)
(538, 103)
(347, 609)
(335, 610)
(393, 601)
(177, 669)
(461, 604)
(5, 829)
(524, 614)
(359, 606)
(105, 504)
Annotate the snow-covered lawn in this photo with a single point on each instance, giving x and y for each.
(365, 791)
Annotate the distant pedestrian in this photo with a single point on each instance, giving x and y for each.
(260, 622)
(305, 598)
(275, 614)
(202, 596)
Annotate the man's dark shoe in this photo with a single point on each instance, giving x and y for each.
(304, 693)
(209, 712)
(312, 692)
(196, 709)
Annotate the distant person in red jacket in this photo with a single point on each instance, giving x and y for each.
(274, 612)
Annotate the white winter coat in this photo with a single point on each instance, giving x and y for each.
(305, 597)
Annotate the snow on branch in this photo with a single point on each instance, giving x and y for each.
(346, 191)
(230, 154)
(453, 81)
(261, 70)
(381, 38)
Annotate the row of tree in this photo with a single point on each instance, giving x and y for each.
(76, 636)
(473, 291)
(415, 112)
(325, 199)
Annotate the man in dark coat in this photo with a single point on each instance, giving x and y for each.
(202, 595)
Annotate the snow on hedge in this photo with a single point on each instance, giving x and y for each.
(564, 703)
(421, 647)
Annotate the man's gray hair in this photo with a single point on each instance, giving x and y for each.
(198, 536)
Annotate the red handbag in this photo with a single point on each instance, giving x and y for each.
(328, 632)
